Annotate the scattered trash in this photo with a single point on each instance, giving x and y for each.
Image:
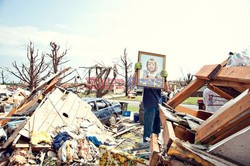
(51, 126)
(40, 136)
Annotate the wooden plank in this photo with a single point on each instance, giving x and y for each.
(220, 92)
(193, 125)
(233, 127)
(186, 92)
(49, 80)
(241, 87)
(34, 147)
(199, 114)
(154, 143)
(183, 134)
(168, 131)
(28, 104)
(236, 74)
(14, 135)
(51, 85)
(33, 98)
(223, 116)
(4, 121)
(154, 150)
(16, 140)
(154, 158)
(124, 131)
(208, 72)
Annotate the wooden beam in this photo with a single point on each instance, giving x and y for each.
(220, 92)
(51, 85)
(14, 135)
(16, 140)
(48, 81)
(154, 150)
(223, 116)
(186, 92)
(124, 131)
(33, 98)
(34, 147)
(28, 104)
(208, 72)
(236, 74)
(183, 134)
(241, 87)
(154, 143)
(235, 126)
(154, 158)
(199, 114)
(168, 130)
(4, 121)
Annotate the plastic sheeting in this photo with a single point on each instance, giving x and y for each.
(240, 59)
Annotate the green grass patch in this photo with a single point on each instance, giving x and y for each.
(91, 95)
(137, 98)
(191, 100)
(133, 108)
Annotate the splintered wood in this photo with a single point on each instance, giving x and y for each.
(223, 116)
(202, 127)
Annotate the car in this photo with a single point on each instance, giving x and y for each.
(73, 90)
(138, 90)
(104, 110)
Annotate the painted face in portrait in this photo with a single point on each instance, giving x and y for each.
(151, 65)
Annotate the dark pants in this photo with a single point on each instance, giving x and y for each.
(151, 122)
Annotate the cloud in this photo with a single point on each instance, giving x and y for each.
(62, 26)
(83, 50)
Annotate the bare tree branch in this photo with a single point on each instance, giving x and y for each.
(125, 65)
(30, 74)
(56, 57)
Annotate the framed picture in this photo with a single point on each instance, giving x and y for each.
(150, 73)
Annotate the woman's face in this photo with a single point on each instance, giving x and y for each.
(151, 66)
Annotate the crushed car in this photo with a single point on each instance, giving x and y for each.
(107, 112)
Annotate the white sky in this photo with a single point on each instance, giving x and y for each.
(190, 33)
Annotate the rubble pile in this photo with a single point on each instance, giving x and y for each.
(198, 137)
(10, 97)
(52, 126)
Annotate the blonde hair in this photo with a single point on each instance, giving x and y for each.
(152, 60)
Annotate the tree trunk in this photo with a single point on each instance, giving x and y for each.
(126, 80)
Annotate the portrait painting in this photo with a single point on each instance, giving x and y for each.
(150, 73)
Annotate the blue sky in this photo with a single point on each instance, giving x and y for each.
(190, 33)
